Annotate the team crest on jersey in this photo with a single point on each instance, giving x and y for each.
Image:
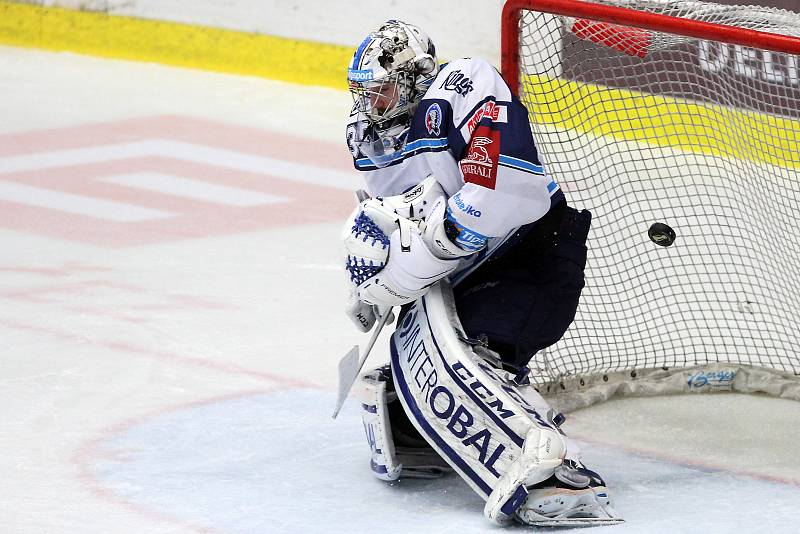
(480, 165)
(433, 119)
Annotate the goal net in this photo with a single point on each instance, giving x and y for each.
(686, 113)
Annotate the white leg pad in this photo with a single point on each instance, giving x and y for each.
(393, 455)
(371, 391)
(542, 453)
(472, 414)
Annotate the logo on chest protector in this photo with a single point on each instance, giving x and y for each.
(418, 361)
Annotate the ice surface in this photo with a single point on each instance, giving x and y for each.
(178, 374)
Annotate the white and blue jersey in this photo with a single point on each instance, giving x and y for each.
(473, 136)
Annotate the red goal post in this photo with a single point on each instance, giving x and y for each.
(684, 112)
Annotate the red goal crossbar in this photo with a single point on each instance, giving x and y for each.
(509, 50)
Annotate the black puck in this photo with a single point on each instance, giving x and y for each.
(661, 234)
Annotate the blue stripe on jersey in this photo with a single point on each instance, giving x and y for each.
(521, 164)
(425, 142)
(527, 166)
(420, 145)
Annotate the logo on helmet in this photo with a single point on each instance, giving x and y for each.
(360, 75)
(433, 119)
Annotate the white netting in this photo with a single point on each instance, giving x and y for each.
(642, 126)
(766, 19)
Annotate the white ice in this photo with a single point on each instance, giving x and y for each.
(164, 379)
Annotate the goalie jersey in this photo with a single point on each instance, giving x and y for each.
(473, 136)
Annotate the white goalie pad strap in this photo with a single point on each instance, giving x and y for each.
(470, 413)
(371, 391)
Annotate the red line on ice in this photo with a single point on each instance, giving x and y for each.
(306, 203)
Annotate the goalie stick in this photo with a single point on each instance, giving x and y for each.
(350, 365)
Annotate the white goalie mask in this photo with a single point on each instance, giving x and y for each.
(390, 72)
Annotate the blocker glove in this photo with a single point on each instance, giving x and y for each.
(389, 260)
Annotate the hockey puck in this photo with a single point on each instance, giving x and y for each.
(661, 234)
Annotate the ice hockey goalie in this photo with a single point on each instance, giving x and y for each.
(473, 244)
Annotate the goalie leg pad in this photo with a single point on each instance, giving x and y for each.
(542, 453)
(470, 413)
(397, 450)
(375, 416)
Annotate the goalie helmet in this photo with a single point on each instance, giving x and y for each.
(390, 72)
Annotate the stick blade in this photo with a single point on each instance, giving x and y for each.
(348, 371)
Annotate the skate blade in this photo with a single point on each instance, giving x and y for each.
(574, 522)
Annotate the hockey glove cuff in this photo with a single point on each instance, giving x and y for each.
(435, 233)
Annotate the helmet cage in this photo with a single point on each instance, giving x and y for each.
(384, 99)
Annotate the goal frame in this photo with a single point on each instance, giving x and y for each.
(509, 29)
(576, 391)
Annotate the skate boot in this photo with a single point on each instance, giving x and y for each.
(573, 496)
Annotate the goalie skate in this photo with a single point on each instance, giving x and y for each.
(555, 504)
